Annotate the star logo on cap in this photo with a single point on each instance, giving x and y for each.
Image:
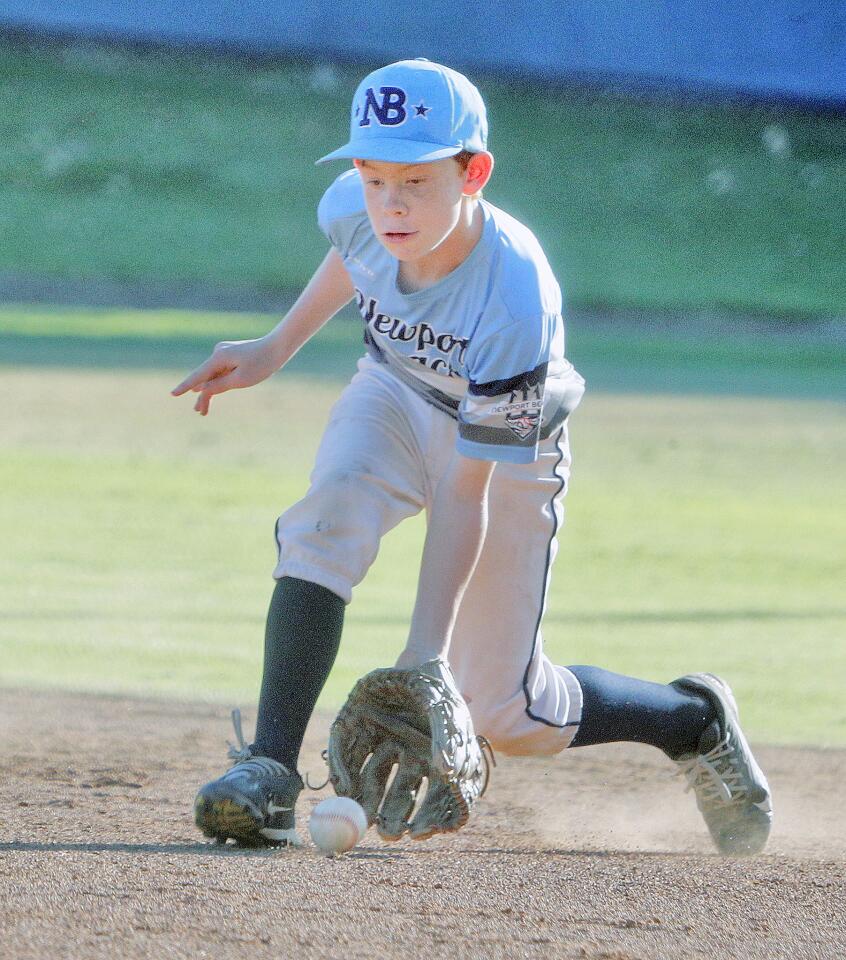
(421, 110)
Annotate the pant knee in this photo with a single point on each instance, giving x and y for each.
(332, 535)
(515, 733)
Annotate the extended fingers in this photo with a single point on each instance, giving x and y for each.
(209, 388)
(216, 367)
(203, 403)
(194, 380)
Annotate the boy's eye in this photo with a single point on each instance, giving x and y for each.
(416, 180)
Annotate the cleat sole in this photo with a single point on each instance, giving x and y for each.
(224, 818)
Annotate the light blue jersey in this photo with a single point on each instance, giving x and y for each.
(485, 344)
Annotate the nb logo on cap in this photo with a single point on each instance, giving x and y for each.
(390, 112)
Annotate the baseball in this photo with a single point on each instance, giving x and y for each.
(337, 824)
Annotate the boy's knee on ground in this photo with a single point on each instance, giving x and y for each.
(514, 733)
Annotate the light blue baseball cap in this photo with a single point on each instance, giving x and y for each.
(414, 111)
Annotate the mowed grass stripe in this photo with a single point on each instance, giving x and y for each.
(701, 533)
(612, 356)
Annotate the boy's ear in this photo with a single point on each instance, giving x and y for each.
(478, 172)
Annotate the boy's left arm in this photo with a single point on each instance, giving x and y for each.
(382, 724)
(456, 532)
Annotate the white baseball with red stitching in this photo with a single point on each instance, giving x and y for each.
(337, 824)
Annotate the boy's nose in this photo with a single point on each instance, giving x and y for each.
(394, 202)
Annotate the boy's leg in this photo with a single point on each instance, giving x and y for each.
(301, 641)
(619, 708)
(519, 699)
(254, 802)
(694, 721)
(367, 478)
(524, 704)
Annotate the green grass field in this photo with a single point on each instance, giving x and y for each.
(705, 528)
(172, 166)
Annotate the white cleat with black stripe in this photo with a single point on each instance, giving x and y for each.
(731, 790)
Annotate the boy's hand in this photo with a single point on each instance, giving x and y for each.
(233, 364)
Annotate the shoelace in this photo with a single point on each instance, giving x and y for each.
(242, 753)
(714, 777)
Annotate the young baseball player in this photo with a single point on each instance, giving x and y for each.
(461, 408)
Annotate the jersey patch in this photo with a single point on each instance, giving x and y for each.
(506, 412)
(523, 423)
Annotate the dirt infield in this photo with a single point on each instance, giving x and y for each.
(595, 854)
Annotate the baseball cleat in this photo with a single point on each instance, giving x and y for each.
(732, 792)
(252, 803)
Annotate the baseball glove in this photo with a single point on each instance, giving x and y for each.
(417, 720)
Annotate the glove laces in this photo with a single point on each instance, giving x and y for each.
(324, 754)
(714, 776)
(444, 709)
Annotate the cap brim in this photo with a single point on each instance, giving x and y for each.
(391, 150)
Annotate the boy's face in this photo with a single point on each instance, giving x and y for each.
(413, 208)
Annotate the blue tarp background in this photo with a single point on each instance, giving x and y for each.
(767, 48)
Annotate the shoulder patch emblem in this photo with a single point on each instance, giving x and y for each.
(523, 422)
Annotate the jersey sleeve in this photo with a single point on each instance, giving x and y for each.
(341, 211)
(501, 414)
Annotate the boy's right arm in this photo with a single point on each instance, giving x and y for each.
(243, 363)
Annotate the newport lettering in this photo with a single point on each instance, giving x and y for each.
(424, 337)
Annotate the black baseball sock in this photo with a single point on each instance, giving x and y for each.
(301, 642)
(619, 708)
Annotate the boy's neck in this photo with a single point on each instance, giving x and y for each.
(427, 271)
